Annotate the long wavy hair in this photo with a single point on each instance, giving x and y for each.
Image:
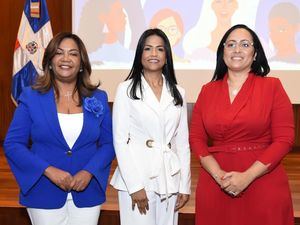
(83, 84)
(259, 67)
(136, 71)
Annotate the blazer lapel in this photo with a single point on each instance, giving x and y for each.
(90, 121)
(47, 102)
(166, 97)
(149, 97)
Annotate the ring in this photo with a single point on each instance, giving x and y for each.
(232, 193)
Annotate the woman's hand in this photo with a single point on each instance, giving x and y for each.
(140, 198)
(234, 183)
(182, 199)
(218, 177)
(81, 180)
(59, 177)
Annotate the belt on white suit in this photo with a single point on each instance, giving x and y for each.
(169, 160)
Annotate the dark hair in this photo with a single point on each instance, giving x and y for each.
(259, 67)
(83, 83)
(167, 70)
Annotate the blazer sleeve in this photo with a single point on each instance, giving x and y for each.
(282, 127)
(121, 129)
(25, 165)
(198, 135)
(183, 150)
(99, 164)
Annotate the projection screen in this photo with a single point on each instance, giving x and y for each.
(111, 28)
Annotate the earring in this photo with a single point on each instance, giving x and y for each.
(50, 67)
(80, 70)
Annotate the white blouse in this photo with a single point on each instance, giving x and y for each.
(71, 126)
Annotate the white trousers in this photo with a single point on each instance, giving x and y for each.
(158, 213)
(69, 214)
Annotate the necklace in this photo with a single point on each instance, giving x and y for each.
(234, 92)
(68, 95)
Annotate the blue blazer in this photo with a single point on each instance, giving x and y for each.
(35, 141)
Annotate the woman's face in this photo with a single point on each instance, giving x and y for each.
(224, 9)
(169, 26)
(66, 62)
(239, 51)
(154, 54)
(282, 32)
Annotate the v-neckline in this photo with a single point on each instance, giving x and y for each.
(159, 100)
(242, 92)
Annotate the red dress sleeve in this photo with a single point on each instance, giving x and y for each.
(282, 127)
(198, 136)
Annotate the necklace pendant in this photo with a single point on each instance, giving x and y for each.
(235, 92)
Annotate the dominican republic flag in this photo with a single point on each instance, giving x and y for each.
(33, 37)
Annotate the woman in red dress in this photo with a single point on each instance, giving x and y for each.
(249, 119)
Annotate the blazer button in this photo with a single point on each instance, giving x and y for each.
(149, 143)
(69, 153)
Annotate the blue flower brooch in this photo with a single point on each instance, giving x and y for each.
(93, 105)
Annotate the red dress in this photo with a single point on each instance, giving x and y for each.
(258, 125)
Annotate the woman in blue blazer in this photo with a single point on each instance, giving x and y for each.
(59, 144)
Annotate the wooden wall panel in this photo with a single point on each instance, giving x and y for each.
(297, 125)
(10, 16)
(9, 21)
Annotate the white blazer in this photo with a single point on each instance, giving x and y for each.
(162, 164)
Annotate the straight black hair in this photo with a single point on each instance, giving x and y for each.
(136, 71)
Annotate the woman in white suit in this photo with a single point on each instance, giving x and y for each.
(151, 137)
